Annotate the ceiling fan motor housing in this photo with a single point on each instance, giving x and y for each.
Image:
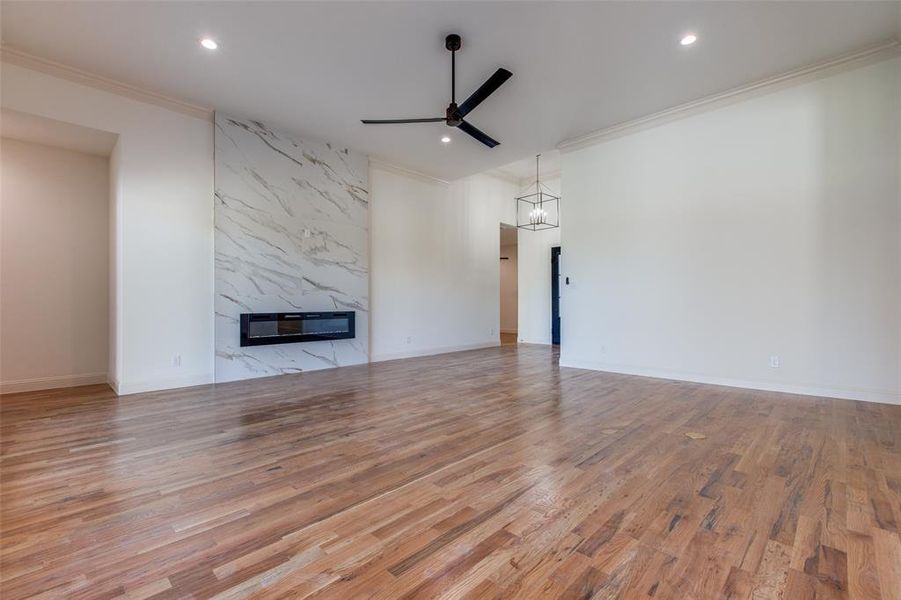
(453, 115)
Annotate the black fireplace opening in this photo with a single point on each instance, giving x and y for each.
(259, 329)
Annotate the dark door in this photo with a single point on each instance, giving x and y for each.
(555, 295)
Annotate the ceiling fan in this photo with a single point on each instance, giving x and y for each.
(454, 114)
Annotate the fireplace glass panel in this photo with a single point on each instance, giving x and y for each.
(257, 329)
(280, 328)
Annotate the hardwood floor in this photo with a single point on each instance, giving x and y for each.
(480, 474)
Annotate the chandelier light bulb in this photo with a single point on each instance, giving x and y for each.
(537, 216)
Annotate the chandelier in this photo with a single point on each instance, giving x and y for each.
(539, 209)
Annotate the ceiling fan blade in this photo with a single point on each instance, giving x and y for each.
(485, 90)
(478, 134)
(389, 121)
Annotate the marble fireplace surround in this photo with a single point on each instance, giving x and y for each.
(291, 234)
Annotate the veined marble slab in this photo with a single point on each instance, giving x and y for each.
(292, 234)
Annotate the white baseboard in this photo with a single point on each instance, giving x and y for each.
(50, 383)
(167, 383)
(121, 389)
(805, 389)
(543, 342)
(432, 351)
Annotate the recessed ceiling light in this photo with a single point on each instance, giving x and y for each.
(689, 39)
(209, 43)
(445, 140)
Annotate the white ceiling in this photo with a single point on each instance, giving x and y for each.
(317, 68)
(525, 169)
(49, 132)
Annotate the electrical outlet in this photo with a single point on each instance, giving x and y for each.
(492, 331)
(409, 339)
(176, 360)
(774, 362)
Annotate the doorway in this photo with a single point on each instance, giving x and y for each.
(509, 286)
(555, 295)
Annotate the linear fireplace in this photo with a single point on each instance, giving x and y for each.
(258, 329)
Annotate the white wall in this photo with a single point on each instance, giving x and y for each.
(771, 227)
(53, 267)
(434, 262)
(509, 289)
(535, 276)
(164, 226)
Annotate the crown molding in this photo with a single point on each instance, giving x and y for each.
(397, 169)
(521, 180)
(404, 171)
(869, 55)
(13, 56)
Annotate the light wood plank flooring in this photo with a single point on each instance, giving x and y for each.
(482, 474)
